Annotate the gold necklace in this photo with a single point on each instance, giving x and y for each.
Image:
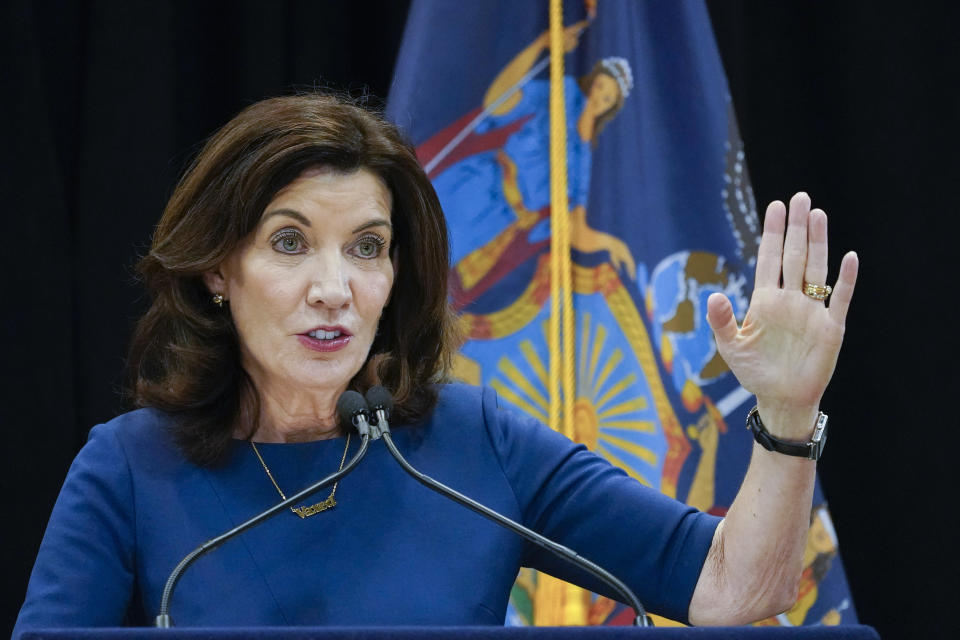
(306, 512)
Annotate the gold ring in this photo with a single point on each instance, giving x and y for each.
(817, 291)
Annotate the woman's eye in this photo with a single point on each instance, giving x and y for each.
(369, 247)
(288, 243)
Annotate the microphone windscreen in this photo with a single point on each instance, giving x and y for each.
(379, 398)
(349, 405)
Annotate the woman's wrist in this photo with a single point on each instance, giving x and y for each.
(786, 422)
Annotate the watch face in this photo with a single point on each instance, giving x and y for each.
(819, 440)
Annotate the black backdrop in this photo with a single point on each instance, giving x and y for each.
(102, 103)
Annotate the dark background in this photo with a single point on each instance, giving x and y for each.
(102, 102)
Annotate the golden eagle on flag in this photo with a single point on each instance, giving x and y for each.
(655, 213)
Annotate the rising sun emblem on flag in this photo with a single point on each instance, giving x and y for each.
(613, 412)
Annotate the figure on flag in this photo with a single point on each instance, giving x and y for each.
(503, 192)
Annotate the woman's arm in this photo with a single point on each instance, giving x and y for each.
(785, 352)
(522, 63)
(84, 573)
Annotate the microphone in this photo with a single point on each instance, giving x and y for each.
(351, 410)
(381, 403)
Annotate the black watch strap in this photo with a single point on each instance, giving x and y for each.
(811, 450)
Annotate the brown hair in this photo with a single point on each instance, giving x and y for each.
(586, 83)
(185, 357)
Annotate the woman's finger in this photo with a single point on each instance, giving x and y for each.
(721, 319)
(770, 251)
(795, 244)
(816, 269)
(843, 291)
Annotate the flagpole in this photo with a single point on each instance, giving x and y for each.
(561, 295)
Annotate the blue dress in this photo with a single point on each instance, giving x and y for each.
(390, 553)
(471, 191)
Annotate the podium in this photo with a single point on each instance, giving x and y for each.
(852, 632)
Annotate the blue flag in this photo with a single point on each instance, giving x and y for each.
(661, 215)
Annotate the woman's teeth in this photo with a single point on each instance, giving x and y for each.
(320, 334)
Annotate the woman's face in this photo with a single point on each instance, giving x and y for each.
(604, 93)
(307, 287)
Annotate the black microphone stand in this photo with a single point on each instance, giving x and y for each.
(359, 420)
(382, 429)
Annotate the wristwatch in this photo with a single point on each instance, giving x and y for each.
(810, 450)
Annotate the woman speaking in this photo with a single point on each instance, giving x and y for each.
(304, 253)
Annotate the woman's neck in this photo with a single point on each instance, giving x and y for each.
(287, 416)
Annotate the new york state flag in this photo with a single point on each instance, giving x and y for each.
(661, 215)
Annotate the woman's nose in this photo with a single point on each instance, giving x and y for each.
(328, 284)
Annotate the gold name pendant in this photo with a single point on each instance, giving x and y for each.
(306, 512)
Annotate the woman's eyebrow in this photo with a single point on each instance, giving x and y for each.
(290, 213)
(376, 222)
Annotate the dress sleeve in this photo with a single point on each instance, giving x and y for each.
(84, 572)
(655, 544)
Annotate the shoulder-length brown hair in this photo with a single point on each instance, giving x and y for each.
(185, 358)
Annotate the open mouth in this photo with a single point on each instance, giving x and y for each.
(320, 334)
(332, 339)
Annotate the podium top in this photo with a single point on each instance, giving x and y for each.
(852, 632)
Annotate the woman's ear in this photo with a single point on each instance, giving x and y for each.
(216, 282)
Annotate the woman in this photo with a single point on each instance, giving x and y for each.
(502, 194)
(304, 253)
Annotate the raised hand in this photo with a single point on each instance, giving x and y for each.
(571, 35)
(786, 350)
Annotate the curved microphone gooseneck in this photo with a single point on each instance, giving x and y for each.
(381, 403)
(351, 409)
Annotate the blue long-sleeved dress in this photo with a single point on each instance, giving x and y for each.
(390, 553)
